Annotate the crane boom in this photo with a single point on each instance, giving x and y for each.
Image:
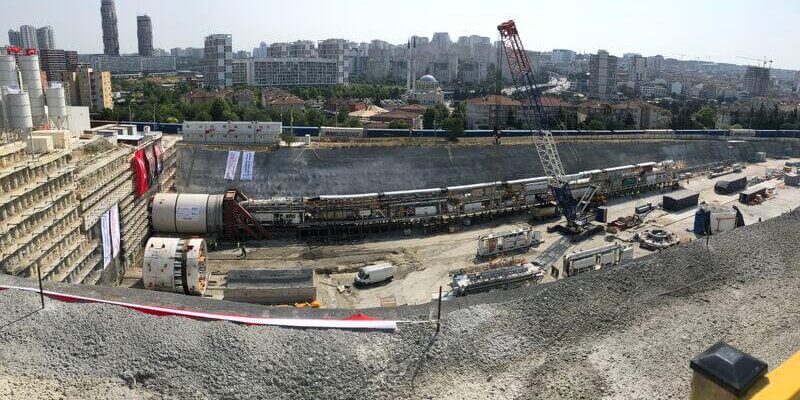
(522, 74)
(534, 113)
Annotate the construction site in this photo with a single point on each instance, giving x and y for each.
(138, 264)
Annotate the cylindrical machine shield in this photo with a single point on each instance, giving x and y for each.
(187, 213)
(175, 265)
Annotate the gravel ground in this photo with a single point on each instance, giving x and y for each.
(624, 332)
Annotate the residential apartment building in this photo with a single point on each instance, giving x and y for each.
(133, 64)
(218, 60)
(27, 36)
(53, 62)
(602, 75)
(45, 38)
(303, 49)
(562, 56)
(14, 38)
(89, 88)
(491, 112)
(144, 34)
(108, 14)
(637, 69)
(288, 72)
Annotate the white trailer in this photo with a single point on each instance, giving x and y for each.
(582, 261)
(498, 242)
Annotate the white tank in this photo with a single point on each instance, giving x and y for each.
(32, 81)
(18, 109)
(57, 106)
(186, 213)
(8, 71)
(175, 265)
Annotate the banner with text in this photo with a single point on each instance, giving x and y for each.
(248, 157)
(233, 162)
(113, 213)
(105, 232)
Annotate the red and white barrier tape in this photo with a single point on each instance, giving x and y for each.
(357, 322)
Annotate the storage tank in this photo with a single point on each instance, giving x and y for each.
(32, 80)
(8, 71)
(18, 109)
(56, 104)
(175, 265)
(186, 213)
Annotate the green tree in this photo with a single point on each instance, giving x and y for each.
(353, 123)
(706, 117)
(399, 124)
(595, 125)
(221, 110)
(429, 118)
(454, 126)
(341, 117)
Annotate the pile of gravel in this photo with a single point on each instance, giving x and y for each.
(624, 332)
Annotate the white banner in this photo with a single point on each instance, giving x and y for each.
(105, 232)
(114, 225)
(248, 157)
(233, 161)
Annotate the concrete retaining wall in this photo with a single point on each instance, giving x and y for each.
(297, 172)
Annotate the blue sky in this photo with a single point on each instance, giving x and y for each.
(718, 30)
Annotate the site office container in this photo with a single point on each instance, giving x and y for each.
(730, 185)
(680, 200)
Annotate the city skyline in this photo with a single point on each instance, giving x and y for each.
(685, 30)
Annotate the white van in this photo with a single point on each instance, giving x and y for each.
(373, 274)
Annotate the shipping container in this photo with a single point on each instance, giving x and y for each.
(730, 185)
(680, 200)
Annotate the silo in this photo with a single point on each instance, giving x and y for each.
(32, 81)
(8, 71)
(18, 108)
(57, 105)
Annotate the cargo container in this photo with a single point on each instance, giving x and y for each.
(680, 200)
(730, 185)
(752, 195)
(791, 179)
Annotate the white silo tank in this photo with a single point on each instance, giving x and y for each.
(56, 104)
(32, 81)
(8, 71)
(18, 109)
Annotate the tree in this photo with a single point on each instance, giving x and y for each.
(221, 110)
(399, 124)
(343, 114)
(706, 117)
(595, 125)
(353, 123)
(454, 127)
(429, 118)
(511, 122)
(441, 111)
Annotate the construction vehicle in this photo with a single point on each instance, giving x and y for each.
(578, 224)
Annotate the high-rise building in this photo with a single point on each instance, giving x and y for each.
(108, 13)
(27, 35)
(562, 56)
(262, 51)
(441, 39)
(278, 50)
(14, 38)
(45, 39)
(144, 32)
(71, 60)
(334, 49)
(303, 49)
(756, 81)
(637, 69)
(218, 60)
(602, 75)
(53, 62)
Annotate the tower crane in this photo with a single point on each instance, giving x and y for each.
(764, 61)
(574, 210)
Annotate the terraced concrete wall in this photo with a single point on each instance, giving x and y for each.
(297, 172)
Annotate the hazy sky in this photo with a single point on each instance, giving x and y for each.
(719, 30)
